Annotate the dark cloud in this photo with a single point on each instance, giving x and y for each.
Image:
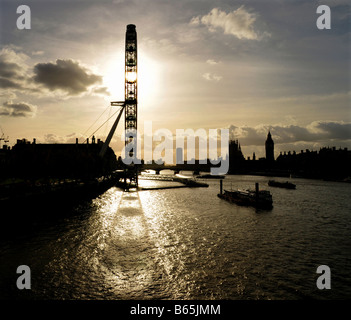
(65, 75)
(11, 70)
(332, 130)
(322, 131)
(9, 84)
(21, 109)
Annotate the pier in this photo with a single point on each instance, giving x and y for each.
(187, 182)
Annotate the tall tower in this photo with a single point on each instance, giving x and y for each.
(131, 101)
(269, 147)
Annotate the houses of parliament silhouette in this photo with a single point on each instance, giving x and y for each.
(328, 163)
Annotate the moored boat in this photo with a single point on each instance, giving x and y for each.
(256, 198)
(287, 184)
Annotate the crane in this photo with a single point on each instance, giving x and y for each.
(2, 137)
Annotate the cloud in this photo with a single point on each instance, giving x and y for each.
(101, 91)
(9, 84)
(9, 70)
(317, 131)
(195, 21)
(211, 77)
(239, 23)
(71, 138)
(38, 53)
(331, 130)
(212, 62)
(65, 75)
(53, 138)
(12, 69)
(334, 3)
(9, 55)
(20, 109)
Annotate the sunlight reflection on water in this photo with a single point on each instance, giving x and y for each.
(189, 244)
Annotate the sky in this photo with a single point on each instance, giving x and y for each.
(248, 66)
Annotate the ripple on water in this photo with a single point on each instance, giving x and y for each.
(189, 244)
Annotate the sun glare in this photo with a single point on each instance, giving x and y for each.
(147, 78)
(131, 76)
(114, 77)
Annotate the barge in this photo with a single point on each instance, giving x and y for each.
(257, 198)
(286, 185)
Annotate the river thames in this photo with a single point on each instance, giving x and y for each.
(183, 243)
